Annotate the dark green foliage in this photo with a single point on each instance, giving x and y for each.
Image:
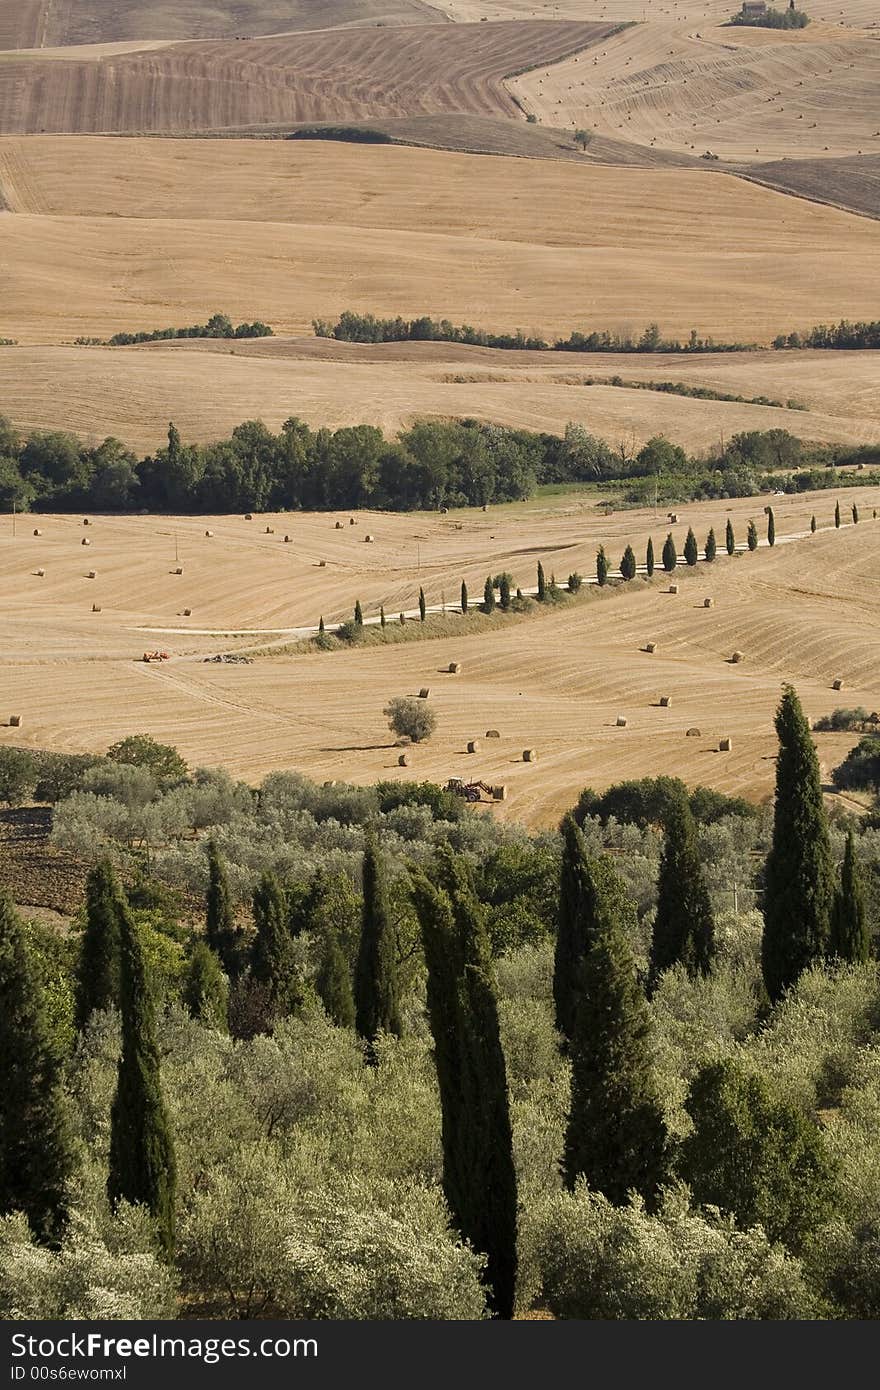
(649, 557)
(36, 1156)
(333, 978)
(730, 538)
(542, 586)
(205, 987)
(97, 981)
(355, 134)
(843, 335)
(601, 567)
(575, 582)
(646, 802)
(218, 326)
(375, 983)
(691, 553)
(752, 536)
(382, 618)
(358, 614)
(849, 939)
(684, 929)
(321, 628)
(842, 720)
(423, 607)
(771, 527)
(837, 514)
(142, 1165)
(488, 596)
(616, 1135)
(855, 514)
(443, 805)
(755, 1155)
(711, 545)
(628, 563)
(860, 769)
(220, 932)
(670, 554)
(141, 750)
(788, 18)
(272, 959)
(19, 770)
(504, 592)
(799, 875)
(464, 597)
(479, 1178)
(813, 524)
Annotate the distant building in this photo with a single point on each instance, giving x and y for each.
(754, 9)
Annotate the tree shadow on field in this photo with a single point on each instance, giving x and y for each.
(359, 748)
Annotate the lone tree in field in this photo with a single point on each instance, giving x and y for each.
(97, 976)
(488, 595)
(799, 874)
(479, 1177)
(649, 557)
(36, 1154)
(837, 515)
(423, 607)
(855, 514)
(752, 536)
(377, 1009)
(771, 527)
(628, 563)
(412, 719)
(601, 566)
(464, 597)
(220, 932)
(542, 584)
(849, 938)
(358, 614)
(616, 1135)
(813, 524)
(711, 545)
(583, 138)
(691, 554)
(684, 929)
(729, 538)
(272, 958)
(142, 1166)
(670, 555)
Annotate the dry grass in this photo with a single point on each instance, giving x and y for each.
(334, 75)
(804, 612)
(852, 183)
(398, 230)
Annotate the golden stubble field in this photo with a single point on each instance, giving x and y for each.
(108, 235)
(554, 681)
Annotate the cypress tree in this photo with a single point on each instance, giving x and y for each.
(729, 538)
(97, 977)
(813, 524)
(616, 1135)
(849, 939)
(771, 527)
(464, 597)
(333, 979)
(752, 536)
(36, 1154)
(321, 624)
(855, 514)
(377, 1009)
(423, 607)
(206, 988)
(684, 929)
(670, 554)
(628, 563)
(488, 596)
(142, 1165)
(837, 514)
(272, 958)
(691, 554)
(542, 587)
(711, 545)
(382, 619)
(358, 614)
(220, 933)
(504, 592)
(799, 874)
(601, 566)
(479, 1177)
(649, 557)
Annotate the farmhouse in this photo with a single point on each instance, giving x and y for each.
(754, 9)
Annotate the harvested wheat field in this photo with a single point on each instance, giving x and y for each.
(396, 230)
(553, 681)
(131, 393)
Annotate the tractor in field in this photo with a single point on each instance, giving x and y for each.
(470, 791)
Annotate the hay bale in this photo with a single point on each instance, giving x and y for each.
(37, 531)
(92, 574)
(492, 733)
(621, 721)
(248, 516)
(287, 540)
(40, 573)
(85, 541)
(339, 526)
(837, 684)
(708, 603)
(322, 564)
(95, 608)
(473, 745)
(693, 733)
(455, 668)
(209, 533)
(351, 521)
(15, 721)
(424, 693)
(270, 530)
(736, 658)
(499, 793)
(673, 588)
(187, 612)
(403, 760)
(86, 521)
(178, 570)
(725, 745)
(368, 539)
(650, 647)
(530, 755)
(665, 701)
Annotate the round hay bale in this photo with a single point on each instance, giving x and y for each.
(86, 521)
(92, 574)
(209, 533)
(287, 540)
(530, 755)
(725, 745)
(95, 608)
(37, 531)
(40, 573)
(403, 760)
(473, 745)
(85, 541)
(338, 526)
(15, 721)
(322, 564)
(368, 539)
(736, 658)
(650, 647)
(708, 603)
(351, 521)
(270, 530)
(665, 701)
(499, 793)
(424, 692)
(837, 684)
(248, 516)
(187, 612)
(673, 588)
(492, 733)
(621, 721)
(455, 668)
(178, 570)
(693, 733)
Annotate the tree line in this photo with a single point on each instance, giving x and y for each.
(844, 336)
(218, 326)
